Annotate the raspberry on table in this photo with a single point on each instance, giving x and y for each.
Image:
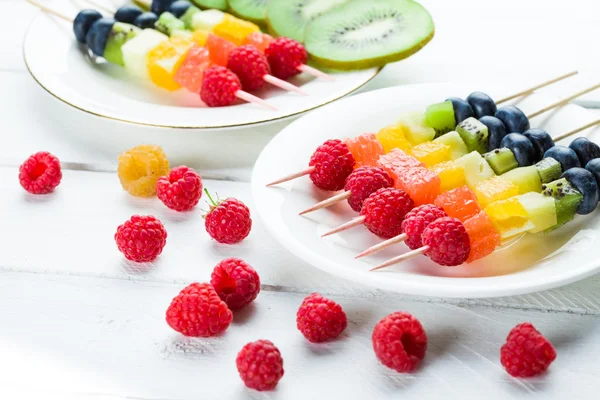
(181, 189)
(228, 221)
(333, 163)
(198, 311)
(384, 212)
(448, 242)
(141, 238)
(236, 283)
(40, 173)
(250, 65)
(399, 341)
(260, 365)
(363, 182)
(320, 319)
(526, 352)
(219, 87)
(417, 220)
(140, 168)
(285, 56)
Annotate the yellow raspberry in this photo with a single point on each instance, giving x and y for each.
(140, 168)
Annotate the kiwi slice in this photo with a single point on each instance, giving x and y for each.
(549, 169)
(366, 33)
(501, 160)
(474, 133)
(289, 18)
(118, 36)
(209, 4)
(567, 200)
(250, 10)
(167, 23)
(440, 117)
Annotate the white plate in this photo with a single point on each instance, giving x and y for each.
(64, 69)
(534, 263)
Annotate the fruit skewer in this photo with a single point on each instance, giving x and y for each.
(251, 78)
(286, 57)
(522, 180)
(576, 192)
(109, 39)
(325, 174)
(471, 135)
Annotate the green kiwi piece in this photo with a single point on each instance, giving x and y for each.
(167, 23)
(209, 4)
(250, 10)
(365, 33)
(440, 117)
(566, 198)
(118, 36)
(549, 169)
(501, 160)
(289, 18)
(474, 133)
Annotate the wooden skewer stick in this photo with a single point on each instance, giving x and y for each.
(574, 131)
(399, 259)
(326, 203)
(536, 87)
(48, 10)
(315, 72)
(293, 176)
(383, 245)
(101, 6)
(280, 83)
(564, 101)
(350, 224)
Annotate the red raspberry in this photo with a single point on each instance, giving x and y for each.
(399, 341)
(236, 283)
(320, 319)
(40, 173)
(260, 365)
(333, 163)
(228, 221)
(448, 241)
(198, 311)
(285, 56)
(181, 189)
(141, 238)
(219, 87)
(385, 210)
(417, 220)
(363, 182)
(526, 352)
(250, 65)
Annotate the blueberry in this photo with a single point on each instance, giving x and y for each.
(128, 14)
(98, 35)
(496, 131)
(565, 156)
(82, 23)
(160, 6)
(521, 147)
(541, 141)
(462, 109)
(585, 150)
(146, 20)
(514, 119)
(482, 104)
(594, 167)
(586, 183)
(179, 8)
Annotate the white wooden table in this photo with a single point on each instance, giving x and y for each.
(79, 322)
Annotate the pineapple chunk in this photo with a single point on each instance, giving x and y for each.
(541, 210)
(392, 137)
(509, 217)
(476, 169)
(458, 148)
(431, 153)
(495, 189)
(451, 175)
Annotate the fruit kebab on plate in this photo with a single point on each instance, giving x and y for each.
(152, 56)
(435, 164)
(332, 162)
(448, 240)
